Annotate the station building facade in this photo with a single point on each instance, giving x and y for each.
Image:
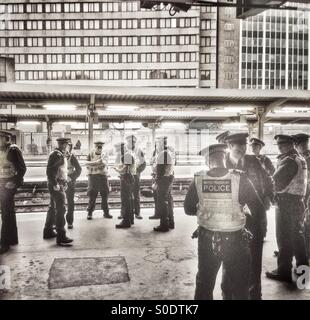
(109, 43)
(274, 50)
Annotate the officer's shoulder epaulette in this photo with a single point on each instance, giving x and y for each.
(237, 172)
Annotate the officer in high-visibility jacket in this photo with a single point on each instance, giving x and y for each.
(140, 167)
(97, 167)
(12, 171)
(302, 146)
(164, 177)
(263, 184)
(57, 182)
(291, 186)
(218, 196)
(257, 145)
(126, 167)
(74, 171)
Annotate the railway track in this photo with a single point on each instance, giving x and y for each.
(34, 197)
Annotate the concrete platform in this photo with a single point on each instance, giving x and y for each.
(144, 264)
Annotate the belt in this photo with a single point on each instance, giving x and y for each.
(224, 235)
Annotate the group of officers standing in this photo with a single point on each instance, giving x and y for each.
(63, 170)
(231, 199)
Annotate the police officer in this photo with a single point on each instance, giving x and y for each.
(156, 215)
(290, 185)
(57, 176)
(74, 171)
(140, 167)
(164, 176)
(217, 197)
(257, 145)
(302, 146)
(12, 171)
(263, 184)
(97, 167)
(127, 169)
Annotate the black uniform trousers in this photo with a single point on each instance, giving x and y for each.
(98, 183)
(57, 209)
(156, 213)
(9, 235)
(51, 214)
(234, 253)
(256, 252)
(165, 200)
(70, 192)
(126, 188)
(136, 195)
(290, 232)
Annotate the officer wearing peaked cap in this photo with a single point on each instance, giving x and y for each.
(217, 196)
(257, 224)
(97, 167)
(290, 186)
(161, 140)
(257, 145)
(57, 176)
(140, 167)
(302, 146)
(74, 171)
(12, 171)
(164, 161)
(126, 167)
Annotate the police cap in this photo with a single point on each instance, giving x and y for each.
(214, 148)
(301, 137)
(63, 140)
(99, 143)
(239, 138)
(283, 138)
(257, 141)
(221, 137)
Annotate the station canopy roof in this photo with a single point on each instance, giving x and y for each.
(26, 101)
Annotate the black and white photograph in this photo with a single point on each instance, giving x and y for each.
(154, 154)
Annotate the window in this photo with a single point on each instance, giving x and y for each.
(205, 75)
(72, 7)
(205, 58)
(229, 27)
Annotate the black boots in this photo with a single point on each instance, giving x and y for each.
(276, 275)
(49, 233)
(63, 240)
(89, 216)
(123, 225)
(107, 216)
(161, 228)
